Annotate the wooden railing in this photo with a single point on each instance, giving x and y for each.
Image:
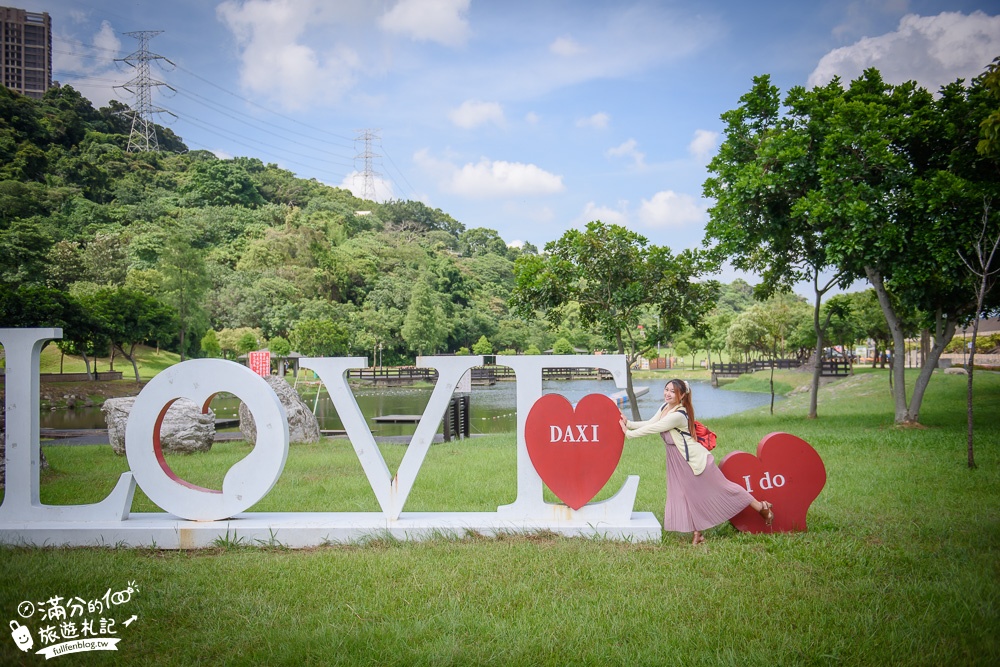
(835, 368)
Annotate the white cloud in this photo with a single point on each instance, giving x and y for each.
(599, 121)
(95, 66)
(531, 118)
(670, 209)
(277, 62)
(441, 21)
(703, 143)
(628, 149)
(497, 178)
(355, 182)
(473, 113)
(932, 50)
(487, 178)
(606, 214)
(566, 47)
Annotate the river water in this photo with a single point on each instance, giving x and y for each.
(492, 408)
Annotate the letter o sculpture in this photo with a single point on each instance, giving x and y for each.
(249, 480)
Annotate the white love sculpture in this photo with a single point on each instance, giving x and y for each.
(199, 517)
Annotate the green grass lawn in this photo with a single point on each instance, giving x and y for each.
(150, 361)
(899, 565)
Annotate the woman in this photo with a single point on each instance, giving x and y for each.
(698, 495)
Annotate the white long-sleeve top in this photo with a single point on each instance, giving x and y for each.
(675, 421)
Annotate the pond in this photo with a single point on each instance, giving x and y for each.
(492, 407)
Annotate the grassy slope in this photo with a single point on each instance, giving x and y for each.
(150, 361)
(898, 566)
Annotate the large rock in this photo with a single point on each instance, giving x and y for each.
(185, 429)
(302, 423)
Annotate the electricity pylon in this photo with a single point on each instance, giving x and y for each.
(367, 156)
(143, 135)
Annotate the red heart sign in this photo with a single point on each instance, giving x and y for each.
(574, 452)
(787, 472)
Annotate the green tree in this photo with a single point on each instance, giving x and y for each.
(563, 346)
(762, 172)
(989, 142)
(24, 249)
(130, 318)
(482, 346)
(247, 342)
(774, 321)
(185, 281)
(618, 281)
(482, 241)
(210, 344)
(913, 193)
(319, 338)
(279, 347)
(869, 181)
(221, 183)
(425, 328)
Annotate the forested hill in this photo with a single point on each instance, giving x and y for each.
(92, 235)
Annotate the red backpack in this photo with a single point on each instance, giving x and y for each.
(705, 437)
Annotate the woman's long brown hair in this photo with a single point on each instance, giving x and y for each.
(680, 388)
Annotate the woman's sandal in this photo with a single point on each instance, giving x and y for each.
(697, 539)
(765, 513)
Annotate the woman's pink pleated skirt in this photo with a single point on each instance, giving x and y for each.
(698, 502)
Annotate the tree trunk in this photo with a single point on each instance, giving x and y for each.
(944, 330)
(86, 364)
(983, 271)
(968, 390)
(773, 355)
(818, 370)
(130, 355)
(629, 390)
(902, 416)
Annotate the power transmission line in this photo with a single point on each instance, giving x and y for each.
(316, 135)
(143, 135)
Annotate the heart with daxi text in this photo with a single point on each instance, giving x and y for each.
(574, 450)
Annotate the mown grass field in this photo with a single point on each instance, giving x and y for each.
(899, 565)
(149, 360)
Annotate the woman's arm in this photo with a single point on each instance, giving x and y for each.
(659, 424)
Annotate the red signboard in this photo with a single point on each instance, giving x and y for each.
(787, 472)
(260, 362)
(574, 451)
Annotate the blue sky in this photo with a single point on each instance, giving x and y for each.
(529, 117)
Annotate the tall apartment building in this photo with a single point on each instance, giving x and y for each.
(26, 54)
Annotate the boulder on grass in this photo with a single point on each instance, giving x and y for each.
(955, 370)
(185, 428)
(302, 423)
